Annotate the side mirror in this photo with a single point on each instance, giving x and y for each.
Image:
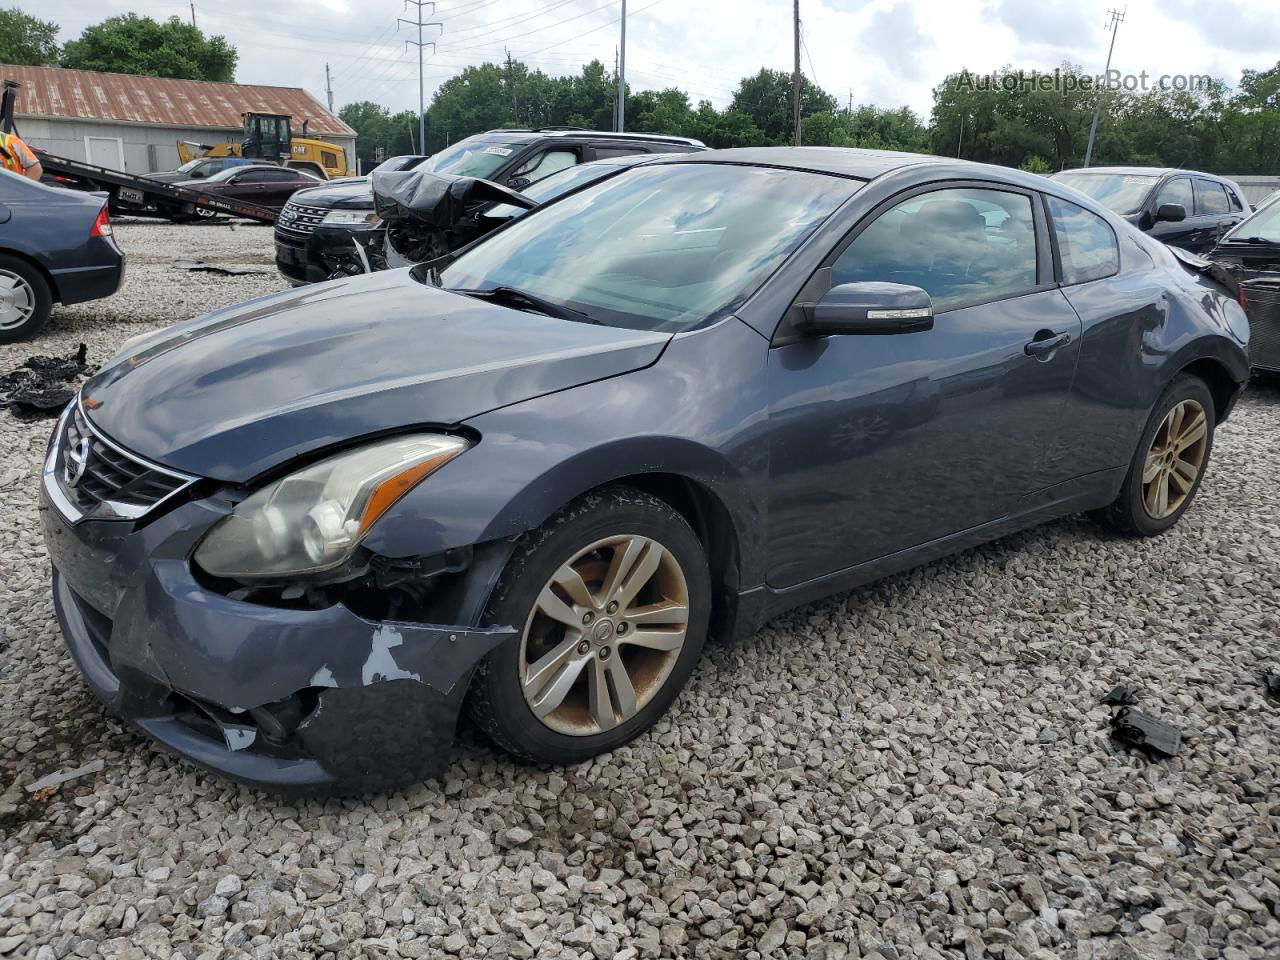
(1173, 212)
(870, 307)
(518, 183)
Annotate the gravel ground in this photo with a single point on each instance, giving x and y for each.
(916, 769)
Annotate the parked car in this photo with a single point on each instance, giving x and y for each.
(411, 234)
(316, 230)
(1252, 252)
(531, 482)
(1180, 207)
(265, 184)
(201, 168)
(56, 246)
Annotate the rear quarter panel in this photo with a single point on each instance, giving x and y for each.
(1139, 329)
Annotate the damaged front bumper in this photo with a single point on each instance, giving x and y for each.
(276, 697)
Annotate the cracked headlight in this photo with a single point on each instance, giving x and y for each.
(312, 520)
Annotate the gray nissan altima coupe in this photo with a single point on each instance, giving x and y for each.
(296, 539)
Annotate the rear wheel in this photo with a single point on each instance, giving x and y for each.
(25, 299)
(612, 598)
(1170, 462)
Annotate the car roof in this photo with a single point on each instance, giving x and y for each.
(1146, 171)
(577, 133)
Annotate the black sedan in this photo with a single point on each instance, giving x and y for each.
(1180, 207)
(56, 246)
(675, 403)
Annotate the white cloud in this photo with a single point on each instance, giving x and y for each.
(890, 52)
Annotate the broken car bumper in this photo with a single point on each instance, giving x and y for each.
(275, 697)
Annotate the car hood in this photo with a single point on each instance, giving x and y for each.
(351, 194)
(168, 176)
(241, 391)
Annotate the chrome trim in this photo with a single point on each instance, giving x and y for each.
(105, 509)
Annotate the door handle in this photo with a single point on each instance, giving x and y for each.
(1045, 343)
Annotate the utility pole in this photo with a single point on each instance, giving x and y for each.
(422, 100)
(848, 116)
(193, 12)
(1117, 18)
(328, 87)
(622, 73)
(511, 83)
(795, 76)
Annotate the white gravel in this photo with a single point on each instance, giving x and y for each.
(918, 769)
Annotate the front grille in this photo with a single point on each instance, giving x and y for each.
(300, 218)
(1264, 324)
(101, 480)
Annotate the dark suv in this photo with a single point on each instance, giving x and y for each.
(317, 227)
(1180, 207)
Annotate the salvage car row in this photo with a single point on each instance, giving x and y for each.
(527, 479)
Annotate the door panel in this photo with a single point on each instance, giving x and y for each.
(882, 443)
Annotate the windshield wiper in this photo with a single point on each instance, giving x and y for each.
(515, 297)
(1252, 240)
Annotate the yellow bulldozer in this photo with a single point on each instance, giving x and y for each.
(268, 137)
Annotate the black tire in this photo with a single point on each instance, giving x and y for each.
(1128, 513)
(40, 293)
(496, 702)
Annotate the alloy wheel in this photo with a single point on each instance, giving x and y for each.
(17, 300)
(604, 634)
(1175, 459)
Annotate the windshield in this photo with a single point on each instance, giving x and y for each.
(1264, 224)
(1124, 193)
(470, 158)
(667, 247)
(405, 162)
(548, 188)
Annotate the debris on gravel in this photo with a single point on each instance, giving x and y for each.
(916, 770)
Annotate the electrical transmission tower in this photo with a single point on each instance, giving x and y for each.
(420, 44)
(1117, 18)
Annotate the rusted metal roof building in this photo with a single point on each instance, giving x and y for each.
(134, 123)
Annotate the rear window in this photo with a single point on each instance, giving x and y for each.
(1086, 243)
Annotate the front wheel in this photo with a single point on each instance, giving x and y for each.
(612, 598)
(1170, 462)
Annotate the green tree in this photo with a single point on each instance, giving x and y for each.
(766, 99)
(26, 40)
(372, 124)
(141, 45)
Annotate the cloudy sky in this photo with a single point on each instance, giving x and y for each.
(889, 52)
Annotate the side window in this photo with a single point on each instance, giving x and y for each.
(961, 246)
(545, 164)
(1177, 190)
(1235, 199)
(1211, 200)
(1086, 243)
(253, 176)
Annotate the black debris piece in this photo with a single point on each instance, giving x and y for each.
(1271, 683)
(226, 269)
(1155, 737)
(42, 385)
(1119, 697)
